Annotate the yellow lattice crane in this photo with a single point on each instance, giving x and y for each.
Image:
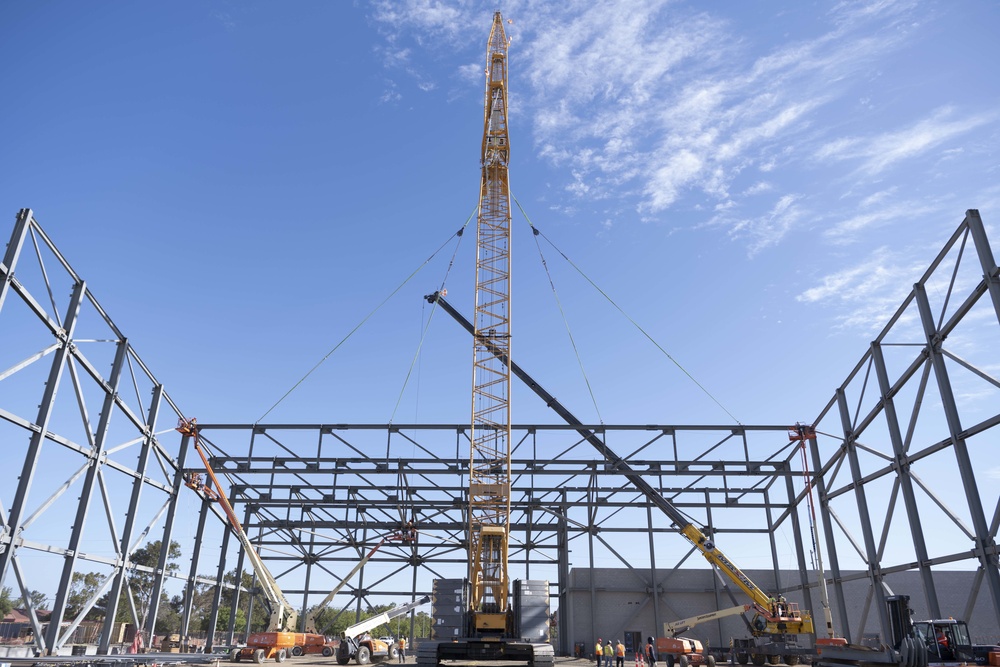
(489, 465)
(494, 626)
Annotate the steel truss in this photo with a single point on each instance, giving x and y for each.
(314, 497)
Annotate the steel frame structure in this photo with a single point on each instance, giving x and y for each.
(900, 461)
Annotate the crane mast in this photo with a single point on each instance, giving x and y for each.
(489, 465)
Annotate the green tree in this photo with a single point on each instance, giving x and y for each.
(141, 583)
(421, 625)
(37, 599)
(6, 601)
(82, 588)
(260, 616)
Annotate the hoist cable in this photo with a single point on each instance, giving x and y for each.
(634, 323)
(362, 322)
(562, 312)
(423, 335)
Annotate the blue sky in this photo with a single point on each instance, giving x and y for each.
(757, 185)
(242, 183)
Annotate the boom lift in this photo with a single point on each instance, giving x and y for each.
(356, 643)
(684, 651)
(283, 614)
(674, 628)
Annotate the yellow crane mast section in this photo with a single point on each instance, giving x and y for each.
(489, 464)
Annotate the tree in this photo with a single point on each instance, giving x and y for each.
(37, 599)
(82, 588)
(140, 582)
(6, 601)
(260, 617)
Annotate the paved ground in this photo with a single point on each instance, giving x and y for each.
(320, 661)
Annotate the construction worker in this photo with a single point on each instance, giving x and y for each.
(650, 653)
(599, 652)
(609, 654)
(619, 653)
(942, 642)
(782, 605)
(402, 649)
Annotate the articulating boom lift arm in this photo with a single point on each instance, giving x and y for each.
(406, 536)
(283, 615)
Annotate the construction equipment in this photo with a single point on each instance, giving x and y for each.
(283, 615)
(405, 536)
(683, 651)
(674, 628)
(356, 642)
(776, 625)
(491, 627)
(279, 640)
(943, 642)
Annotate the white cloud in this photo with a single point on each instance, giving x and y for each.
(768, 229)
(869, 292)
(880, 152)
(846, 231)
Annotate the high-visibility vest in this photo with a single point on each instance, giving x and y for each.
(599, 650)
(620, 650)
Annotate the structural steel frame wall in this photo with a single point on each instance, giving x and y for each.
(314, 497)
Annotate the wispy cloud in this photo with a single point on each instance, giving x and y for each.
(765, 230)
(658, 102)
(880, 152)
(867, 293)
(875, 213)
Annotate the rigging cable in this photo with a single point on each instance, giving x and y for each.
(634, 323)
(366, 318)
(572, 341)
(423, 335)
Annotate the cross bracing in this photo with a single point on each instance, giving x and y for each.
(901, 470)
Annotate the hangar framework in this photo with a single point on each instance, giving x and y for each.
(903, 459)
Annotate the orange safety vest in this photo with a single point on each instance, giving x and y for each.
(402, 643)
(620, 650)
(599, 650)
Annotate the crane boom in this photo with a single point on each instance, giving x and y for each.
(772, 620)
(283, 614)
(489, 461)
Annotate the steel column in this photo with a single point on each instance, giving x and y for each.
(86, 493)
(984, 545)
(902, 464)
(13, 251)
(125, 543)
(17, 509)
(864, 516)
